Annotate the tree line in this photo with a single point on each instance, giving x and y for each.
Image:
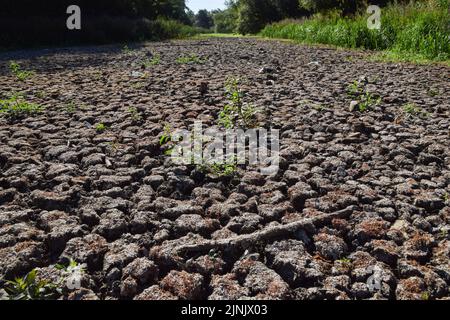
(31, 22)
(151, 9)
(250, 16)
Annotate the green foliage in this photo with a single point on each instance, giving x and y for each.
(446, 197)
(414, 111)
(366, 100)
(355, 89)
(193, 59)
(135, 114)
(253, 15)
(40, 94)
(127, 50)
(225, 21)
(166, 136)
(419, 28)
(204, 19)
(227, 168)
(155, 60)
(20, 74)
(29, 288)
(100, 127)
(71, 107)
(73, 266)
(15, 106)
(425, 296)
(236, 113)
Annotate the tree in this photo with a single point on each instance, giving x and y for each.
(203, 19)
(254, 15)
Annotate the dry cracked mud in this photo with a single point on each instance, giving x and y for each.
(358, 194)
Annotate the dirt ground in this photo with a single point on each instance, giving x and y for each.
(359, 208)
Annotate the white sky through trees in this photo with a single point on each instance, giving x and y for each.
(196, 5)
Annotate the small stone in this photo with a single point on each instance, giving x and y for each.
(353, 106)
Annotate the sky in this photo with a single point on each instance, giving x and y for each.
(196, 5)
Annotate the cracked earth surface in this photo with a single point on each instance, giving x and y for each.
(356, 191)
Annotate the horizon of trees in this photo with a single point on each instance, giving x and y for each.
(250, 16)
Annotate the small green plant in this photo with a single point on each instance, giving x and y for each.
(224, 169)
(355, 89)
(100, 127)
(71, 107)
(152, 62)
(29, 288)
(345, 261)
(236, 113)
(166, 137)
(135, 114)
(432, 92)
(193, 59)
(446, 197)
(368, 101)
(16, 69)
(414, 111)
(320, 107)
(444, 233)
(126, 50)
(425, 296)
(73, 266)
(15, 106)
(227, 168)
(40, 94)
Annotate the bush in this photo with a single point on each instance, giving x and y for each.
(419, 28)
(225, 21)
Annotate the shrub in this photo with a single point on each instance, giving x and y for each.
(419, 28)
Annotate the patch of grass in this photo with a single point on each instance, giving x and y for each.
(135, 114)
(227, 168)
(190, 59)
(433, 92)
(15, 106)
(220, 35)
(395, 57)
(100, 127)
(20, 74)
(418, 30)
(320, 107)
(40, 94)
(127, 50)
(414, 111)
(237, 113)
(71, 107)
(29, 288)
(155, 60)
